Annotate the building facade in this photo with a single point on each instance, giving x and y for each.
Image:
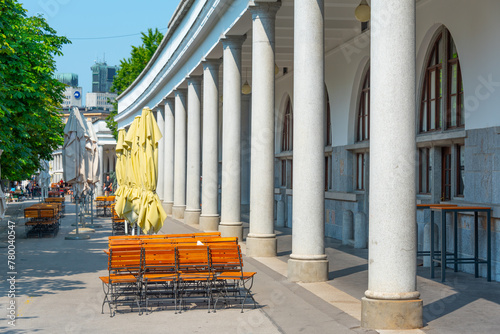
(102, 101)
(347, 127)
(72, 94)
(102, 77)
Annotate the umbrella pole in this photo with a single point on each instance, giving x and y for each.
(92, 225)
(82, 212)
(92, 207)
(77, 235)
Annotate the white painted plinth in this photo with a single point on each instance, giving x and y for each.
(209, 223)
(178, 211)
(307, 271)
(231, 230)
(167, 206)
(192, 217)
(260, 246)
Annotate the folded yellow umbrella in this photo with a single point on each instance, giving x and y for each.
(151, 215)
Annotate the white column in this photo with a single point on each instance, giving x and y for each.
(101, 171)
(308, 261)
(231, 225)
(209, 219)
(392, 266)
(261, 240)
(168, 163)
(180, 155)
(192, 213)
(161, 151)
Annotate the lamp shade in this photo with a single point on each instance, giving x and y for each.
(362, 12)
(246, 89)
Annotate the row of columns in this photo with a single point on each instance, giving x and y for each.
(57, 162)
(392, 291)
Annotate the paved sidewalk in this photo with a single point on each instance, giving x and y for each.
(58, 291)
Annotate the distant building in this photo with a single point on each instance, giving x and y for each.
(98, 106)
(102, 77)
(101, 101)
(72, 97)
(72, 93)
(70, 79)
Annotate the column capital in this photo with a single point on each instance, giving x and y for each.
(233, 41)
(194, 80)
(180, 91)
(211, 63)
(264, 10)
(169, 101)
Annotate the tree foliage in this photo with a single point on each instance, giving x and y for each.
(131, 67)
(30, 124)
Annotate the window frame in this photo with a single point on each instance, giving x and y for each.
(287, 130)
(441, 61)
(424, 163)
(360, 172)
(460, 169)
(363, 116)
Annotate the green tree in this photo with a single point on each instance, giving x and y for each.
(131, 67)
(30, 124)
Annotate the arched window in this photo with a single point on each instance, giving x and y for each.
(364, 110)
(328, 142)
(442, 95)
(287, 134)
(328, 121)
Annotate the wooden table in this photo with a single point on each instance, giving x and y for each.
(442, 259)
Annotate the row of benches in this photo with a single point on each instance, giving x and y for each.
(43, 218)
(104, 205)
(169, 270)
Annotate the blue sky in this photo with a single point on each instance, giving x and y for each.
(87, 22)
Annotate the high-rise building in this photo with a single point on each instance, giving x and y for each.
(102, 77)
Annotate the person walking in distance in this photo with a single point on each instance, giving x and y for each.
(107, 186)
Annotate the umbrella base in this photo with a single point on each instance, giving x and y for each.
(93, 225)
(77, 237)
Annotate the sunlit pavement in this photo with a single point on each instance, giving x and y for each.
(58, 291)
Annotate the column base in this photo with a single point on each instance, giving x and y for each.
(233, 230)
(261, 246)
(209, 223)
(178, 211)
(391, 314)
(167, 206)
(307, 271)
(192, 217)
